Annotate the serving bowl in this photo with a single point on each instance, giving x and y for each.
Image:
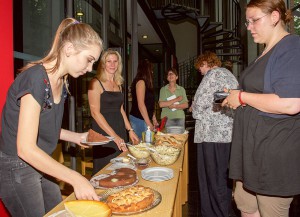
(139, 151)
(142, 163)
(165, 155)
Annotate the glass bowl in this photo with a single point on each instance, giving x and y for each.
(165, 155)
(139, 151)
(142, 163)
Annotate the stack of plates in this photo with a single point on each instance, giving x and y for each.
(175, 130)
(157, 174)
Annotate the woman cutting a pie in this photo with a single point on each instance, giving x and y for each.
(31, 124)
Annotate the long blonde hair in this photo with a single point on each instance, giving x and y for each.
(101, 75)
(81, 35)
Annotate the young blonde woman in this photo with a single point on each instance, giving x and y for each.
(31, 124)
(106, 103)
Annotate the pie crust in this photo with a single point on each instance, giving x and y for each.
(131, 199)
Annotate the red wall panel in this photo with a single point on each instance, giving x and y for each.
(6, 60)
(6, 45)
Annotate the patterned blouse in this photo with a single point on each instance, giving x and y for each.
(213, 123)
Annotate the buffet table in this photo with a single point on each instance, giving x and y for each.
(174, 192)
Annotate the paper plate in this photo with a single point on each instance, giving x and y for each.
(157, 174)
(97, 143)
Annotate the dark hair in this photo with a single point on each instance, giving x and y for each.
(268, 6)
(210, 57)
(228, 65)
(172, 69)
(145, 73)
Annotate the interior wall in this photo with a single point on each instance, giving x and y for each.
(185, 35)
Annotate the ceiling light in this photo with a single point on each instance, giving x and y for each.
(79, 14)
(145, 36)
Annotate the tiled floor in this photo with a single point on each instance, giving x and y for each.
(192, 207)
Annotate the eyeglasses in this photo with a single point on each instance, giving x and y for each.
(248, 22)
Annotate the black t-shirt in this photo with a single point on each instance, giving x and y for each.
(265, 150)
(33, 81)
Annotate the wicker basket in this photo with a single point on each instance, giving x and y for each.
(175, 140)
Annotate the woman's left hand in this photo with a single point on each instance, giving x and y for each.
(82, 137)
(232, 101)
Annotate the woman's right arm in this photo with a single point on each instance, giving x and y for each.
(94, 95)
(37, 158)
(140, 94)
(163, 102)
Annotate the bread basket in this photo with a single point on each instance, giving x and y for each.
(174, 140)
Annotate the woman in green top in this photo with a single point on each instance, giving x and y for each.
(173, 100)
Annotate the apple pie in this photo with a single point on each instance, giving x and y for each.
(131, 199)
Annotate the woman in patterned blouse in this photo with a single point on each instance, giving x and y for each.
(213, 133)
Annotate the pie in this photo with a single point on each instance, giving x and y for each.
(120, 177)
(90, 208)
(93, 136)
(131, 199)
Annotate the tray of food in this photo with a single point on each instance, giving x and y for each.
(131, 200)
(119, 178)
(175, 140)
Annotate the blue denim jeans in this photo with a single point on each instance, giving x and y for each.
(25, 191)
(138, 125)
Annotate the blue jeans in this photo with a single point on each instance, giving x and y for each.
(25, 191)
(138, 125)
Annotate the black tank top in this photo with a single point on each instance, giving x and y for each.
(110, 108)
(149, 102)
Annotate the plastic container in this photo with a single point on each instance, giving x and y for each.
(148, 135)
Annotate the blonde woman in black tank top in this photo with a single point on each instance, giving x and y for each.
(106, 105)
